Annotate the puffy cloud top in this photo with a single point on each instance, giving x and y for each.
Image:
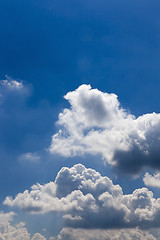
(89, 200)
(6, 217)
(17, 232)
(97, 124)
(9, 231)
(152, 181)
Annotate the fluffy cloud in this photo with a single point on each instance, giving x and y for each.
(38, 236)
(97, 124)
(17, 232)
(127, 234)
(88, 200)
(152, 181)
(5, 217)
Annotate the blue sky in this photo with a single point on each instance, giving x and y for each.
(60, 63)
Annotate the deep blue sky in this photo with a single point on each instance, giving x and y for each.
(57, 46)
(54, 47)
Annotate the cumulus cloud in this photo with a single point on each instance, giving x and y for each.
(152, 180)
(88, 200)
(17, 232)
(97, 124)
(6, 217)
(38, 236)
(121, 234)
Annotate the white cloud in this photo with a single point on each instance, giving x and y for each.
(13, 91)
(88, 200)
(38, 236)
(17, 232)
(97, 124)
(152, 181)
(5, 217)
(11, 83)
(9, 231)
(29, 157)
(121, 234)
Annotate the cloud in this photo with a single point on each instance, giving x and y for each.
(21, 122)
(121, 234)
(152, 181)
(11, 83)
(14, 89)
(29, 157)
(88, 200)
(5, 217)
(25, 131)
(97, 124)
(17, 232)
(38, 236)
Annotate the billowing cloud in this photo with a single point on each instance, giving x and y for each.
(17, 232)
(97, 124)
(121, 234)
(38, 236)
(88, 200)
(6, 217)
(152, 180)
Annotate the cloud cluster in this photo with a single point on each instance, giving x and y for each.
(152, 180)
(89, 200)
(125, 234)
(15, 232)
(97, 124)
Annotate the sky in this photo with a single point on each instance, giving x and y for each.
(79, 120)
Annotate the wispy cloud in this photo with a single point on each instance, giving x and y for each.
(29, 157)
(11, 83)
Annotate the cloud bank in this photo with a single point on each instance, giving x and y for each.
(96, 124)
(125, 234)
(88, 200)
